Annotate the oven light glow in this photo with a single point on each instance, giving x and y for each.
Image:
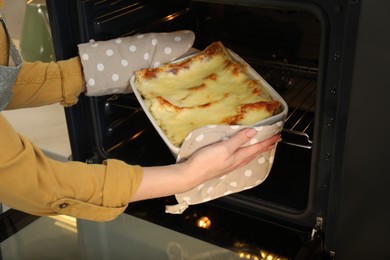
(136, 135)
(246, 251)
(124, 142)
(248, 256)
(204, 222)
(169, 17)
(270, 256)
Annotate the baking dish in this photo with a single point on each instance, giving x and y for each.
(279, 117)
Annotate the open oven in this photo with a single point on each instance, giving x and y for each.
(305, 49)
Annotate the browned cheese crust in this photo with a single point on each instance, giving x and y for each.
(209, 88)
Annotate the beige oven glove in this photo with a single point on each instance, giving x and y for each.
(238, 180)
(109, 65)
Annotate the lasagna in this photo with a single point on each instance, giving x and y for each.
(209, 88)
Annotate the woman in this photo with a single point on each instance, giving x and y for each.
(34, 183)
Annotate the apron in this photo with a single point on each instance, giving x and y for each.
(8, 74)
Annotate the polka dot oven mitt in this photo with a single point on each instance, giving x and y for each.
(109, 65)
(238, 180)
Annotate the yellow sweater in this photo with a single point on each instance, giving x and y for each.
(34, 183)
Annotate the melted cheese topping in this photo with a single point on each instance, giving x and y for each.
(205, 89)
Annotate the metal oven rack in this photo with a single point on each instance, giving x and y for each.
(297, 85)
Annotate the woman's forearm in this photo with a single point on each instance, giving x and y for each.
(161, 181)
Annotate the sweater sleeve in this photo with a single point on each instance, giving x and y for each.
(40, 83)
(36, 184)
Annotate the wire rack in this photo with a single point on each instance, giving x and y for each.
(298, 87)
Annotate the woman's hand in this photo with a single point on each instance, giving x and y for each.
(209, 162)
(218, 159)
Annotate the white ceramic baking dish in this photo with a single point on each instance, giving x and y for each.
(268, 121)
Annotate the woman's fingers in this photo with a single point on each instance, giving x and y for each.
(250, 152)
(269, 143)
(237, 141)
(240, 155)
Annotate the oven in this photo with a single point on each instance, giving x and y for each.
(311, 53)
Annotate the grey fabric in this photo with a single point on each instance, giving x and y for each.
(246, 177)
(8, 74)
(109, 65)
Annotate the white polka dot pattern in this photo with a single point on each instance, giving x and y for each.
(261, 160)
(85, 56)
(124, 63)
(109, 52)
(248, 173)
(100, 67)
(109, 65)
(246, 177)
(199, 138)
(91, 82)
(115, 77)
